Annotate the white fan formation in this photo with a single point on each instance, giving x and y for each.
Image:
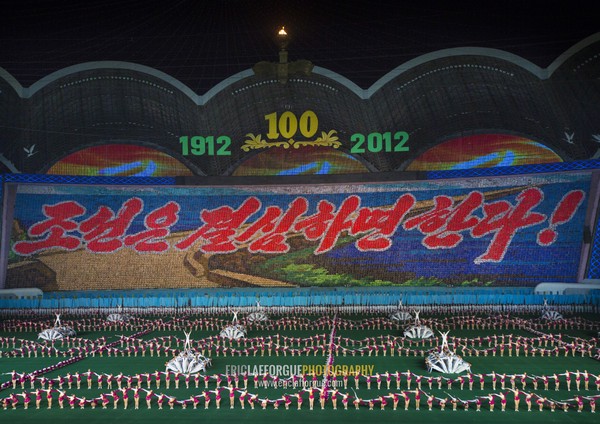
(417, 330)
(400, 315)
(551, 316)
(258, 315)
(445, 360)
(51, 334)
(188, 361)
(118, 316)
(233, 331)
(58, 332)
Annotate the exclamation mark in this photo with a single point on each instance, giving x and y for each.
(564, 211)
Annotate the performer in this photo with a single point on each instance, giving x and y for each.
(334, 395)
(430, 402)
(579, 402)
(517, 398)
(72, 399)
(528, 398)
(115, 396)
(322, 396)
(26, 399)
(395, 399)
(49, 391)
(285, 399)
(577, 380)
(406, 400)
(567, 375)
(502, 396)
(125, 398)
(217, 393)
(149, 395)
(61, 399)
(592, 400)
(104, 398)
(345, 397)
(38, 398)
(196, 401)
(136, 398)
(157, 377)
(264, 403)
(382, 402)
(231, 396)
(243, 398)
(206, 399)
(540, 402)
(494, 380)
(311, 398)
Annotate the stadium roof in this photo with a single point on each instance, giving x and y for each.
(201, 43)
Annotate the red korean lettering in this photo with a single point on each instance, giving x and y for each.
(433, 220)
(504, 220)
(59, 223)
(158, 223)
(342, 221)
(264, 224)
(313, 227)
(104, 230)
(380, 224)
(444, 224)
(564, 212)
(274, 228)
(220, 226)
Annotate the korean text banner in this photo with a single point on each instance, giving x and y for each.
(469, 232)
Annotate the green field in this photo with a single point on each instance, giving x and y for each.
(131, 365)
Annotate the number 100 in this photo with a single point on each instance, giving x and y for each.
(288, 124)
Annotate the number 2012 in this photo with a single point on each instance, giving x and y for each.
(377, 142)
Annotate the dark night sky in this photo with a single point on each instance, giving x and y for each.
(202, 42)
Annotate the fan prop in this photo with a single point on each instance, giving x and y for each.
(444, 360)
(233, 332)
(118, 316)
(418, 330)
(58, 332)
(401, 316)
(552, 316)
(188, 361)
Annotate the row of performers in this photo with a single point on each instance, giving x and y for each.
(408, 378)
(497, 321)
(390, 301)
(168, 341)
(324, 396)
(566, 349)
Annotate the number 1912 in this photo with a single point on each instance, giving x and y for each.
(200, 146)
